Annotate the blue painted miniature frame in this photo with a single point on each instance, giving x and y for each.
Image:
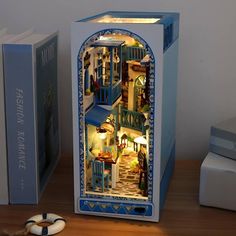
(81, 119)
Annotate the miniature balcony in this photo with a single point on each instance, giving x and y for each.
(108, 95)
(132, 119)
(134, 53)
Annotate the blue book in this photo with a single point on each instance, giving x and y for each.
(30, 74)
(4, 38)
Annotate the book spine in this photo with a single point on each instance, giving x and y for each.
(3, 155)
(20, 120)
(47, 137)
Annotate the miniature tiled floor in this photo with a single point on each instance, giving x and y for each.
(128, 180)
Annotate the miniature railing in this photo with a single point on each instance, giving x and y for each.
(103, 95)
(107, 96)
(135, 53)
(116, 91)
(132, 119)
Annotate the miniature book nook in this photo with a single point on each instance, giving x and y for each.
(124, 76)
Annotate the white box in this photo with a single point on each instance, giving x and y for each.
(217, 182)
(132, 57)
(223, 138)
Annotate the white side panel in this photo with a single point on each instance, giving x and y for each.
(170, 73)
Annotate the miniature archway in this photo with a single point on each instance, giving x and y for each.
(151, 80)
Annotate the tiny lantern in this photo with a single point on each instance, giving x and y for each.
(102, 133)
(124, 140)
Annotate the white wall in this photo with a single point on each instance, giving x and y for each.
(207, 57)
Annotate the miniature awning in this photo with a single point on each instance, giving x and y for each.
(107, 43)
(145, 60)
(96, 116)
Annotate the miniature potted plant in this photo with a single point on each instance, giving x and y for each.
(145, 110)
(134, 166)
(87, 92)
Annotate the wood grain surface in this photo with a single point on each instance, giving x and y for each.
(182, 214)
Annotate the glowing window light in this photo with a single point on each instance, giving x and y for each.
(109, 19)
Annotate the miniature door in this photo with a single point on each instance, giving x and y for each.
(115, 111)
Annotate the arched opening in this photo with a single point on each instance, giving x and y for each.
(116, 151)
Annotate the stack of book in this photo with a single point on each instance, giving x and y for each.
(218, 170)
(29, 136)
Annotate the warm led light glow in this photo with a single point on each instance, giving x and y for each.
(102, 133)
(109, 19)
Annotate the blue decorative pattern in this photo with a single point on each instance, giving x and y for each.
(116, 208)
(81, 119)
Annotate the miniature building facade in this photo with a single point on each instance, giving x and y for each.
(124, 76)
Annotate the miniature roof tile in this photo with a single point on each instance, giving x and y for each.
(96, 116)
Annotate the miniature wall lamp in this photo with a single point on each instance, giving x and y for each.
(102, 133)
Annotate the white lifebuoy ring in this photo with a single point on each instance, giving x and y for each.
(57, 224)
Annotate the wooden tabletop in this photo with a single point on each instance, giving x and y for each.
(107, 160)
(182, 214)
